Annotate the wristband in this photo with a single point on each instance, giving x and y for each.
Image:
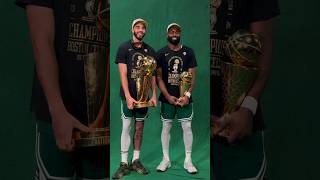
(250, 103)
(188, 94)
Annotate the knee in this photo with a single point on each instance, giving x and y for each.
(126, 124)
(186, 126)
(139, 127)
(166, 126)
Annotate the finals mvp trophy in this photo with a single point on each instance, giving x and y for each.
(185, 83)
(96, 72)
(146, 67)
(244, 50)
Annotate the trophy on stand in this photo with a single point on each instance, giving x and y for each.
(146, 67)
(244, 50)
(185, 83)
(96, 72)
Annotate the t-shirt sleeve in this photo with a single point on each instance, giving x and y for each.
(193, 60)
(264, 9)
(43, 3)
(121, 55)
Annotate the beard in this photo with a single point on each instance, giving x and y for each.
(175, 40)
(136, 35)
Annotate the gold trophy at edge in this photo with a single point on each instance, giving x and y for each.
(244, 50)
(96, 70)
(146, 67)
(96, 85)
(185, 83)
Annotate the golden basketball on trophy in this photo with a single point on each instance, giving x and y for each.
(146, 67)
(244, 50)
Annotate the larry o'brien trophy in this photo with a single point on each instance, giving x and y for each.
(96, 72)
(185, 83)
(145, 69)
(244, 50)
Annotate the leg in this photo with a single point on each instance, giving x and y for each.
(137, 140)
(125, 139)
(52, 163)
(185, 115)
(165, 141)
(187, 138)
(168, 113)
(126, 116)
(140, 116)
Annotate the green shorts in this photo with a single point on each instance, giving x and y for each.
(138, 114)
(80, 164)
(169, 112)
(242, 161)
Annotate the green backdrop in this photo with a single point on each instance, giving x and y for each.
(194, 18)
(17, 129)
(291, 100)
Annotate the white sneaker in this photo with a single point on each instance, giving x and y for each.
(190, 167)
(164, 165)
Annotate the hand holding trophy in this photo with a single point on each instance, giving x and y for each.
(185, 84)
(244, 50)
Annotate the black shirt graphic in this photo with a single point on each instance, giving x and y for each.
(79, 37)
(129, 55)
(228, 16)
(173, 63)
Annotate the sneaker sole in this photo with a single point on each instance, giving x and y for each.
(140, 171)
(169, 166)
(195, 172)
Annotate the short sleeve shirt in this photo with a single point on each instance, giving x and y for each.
(130, 55)
(172, 64)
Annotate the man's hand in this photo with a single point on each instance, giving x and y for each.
(153, 101)
(183, 101)
(130, 102)
(213, 125)
(235, 126)
(172, 100)
(63, 124)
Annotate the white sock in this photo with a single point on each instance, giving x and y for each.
(187, 138)
(165, 139)
(136, 154)
(125, 139)
(124, 157)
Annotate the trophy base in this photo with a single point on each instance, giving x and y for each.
(88, 139)
(141, 105)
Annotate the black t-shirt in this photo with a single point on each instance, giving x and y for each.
(129, 55)
(173, 63)
(228, 16)
(81, 42)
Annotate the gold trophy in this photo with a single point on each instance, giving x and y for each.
(95, 69)
(96, 72)
(185, 83)
(146, 67)
(244, 50)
